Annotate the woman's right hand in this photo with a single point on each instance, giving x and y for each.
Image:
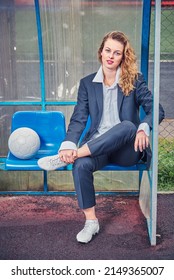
(68, 156)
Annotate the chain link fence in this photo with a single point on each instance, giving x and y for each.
(166, 128)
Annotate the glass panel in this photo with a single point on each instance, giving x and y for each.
(60, 181)
(72, 32)
(19, 64)
(144, 197)
(66, 110)
(104, 181)
(21, 181)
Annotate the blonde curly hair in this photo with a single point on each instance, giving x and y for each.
(129, 69)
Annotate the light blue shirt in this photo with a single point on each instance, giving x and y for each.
(110, 116)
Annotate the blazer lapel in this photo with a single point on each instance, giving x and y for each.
(99, 97)
(120, 98)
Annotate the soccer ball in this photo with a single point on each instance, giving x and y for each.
(24, 143)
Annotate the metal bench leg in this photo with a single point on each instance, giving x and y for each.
(45, 181)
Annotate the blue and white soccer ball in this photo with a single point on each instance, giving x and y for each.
(24, 143)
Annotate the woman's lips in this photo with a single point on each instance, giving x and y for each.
(110, 62)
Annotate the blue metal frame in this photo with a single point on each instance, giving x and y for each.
(37, 103)
(156, 89)
(145, 38)
(41, 53)
(43, 103)
(64, 193)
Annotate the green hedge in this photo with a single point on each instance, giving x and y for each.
(166, 165)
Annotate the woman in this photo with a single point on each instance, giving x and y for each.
(111, 97)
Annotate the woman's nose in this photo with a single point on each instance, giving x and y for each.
(111, 55)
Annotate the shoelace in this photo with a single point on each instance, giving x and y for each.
(55, 161)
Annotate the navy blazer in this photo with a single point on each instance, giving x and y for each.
(90, 103)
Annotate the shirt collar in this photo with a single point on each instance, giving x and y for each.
(99, 76)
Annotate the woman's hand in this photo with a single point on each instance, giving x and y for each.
(68, 156)
(141, 141)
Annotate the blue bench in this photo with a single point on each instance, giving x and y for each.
(51, 128)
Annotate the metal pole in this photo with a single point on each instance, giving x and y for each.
(41, 54)
(155, 122)
(145, 38)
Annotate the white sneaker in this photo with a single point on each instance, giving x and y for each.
(51, 163)
(91, 228)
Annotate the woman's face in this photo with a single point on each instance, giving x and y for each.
(112, 54)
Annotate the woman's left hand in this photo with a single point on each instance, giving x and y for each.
(141, 141)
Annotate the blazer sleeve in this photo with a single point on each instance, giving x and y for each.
(80, 115)
(144, 98)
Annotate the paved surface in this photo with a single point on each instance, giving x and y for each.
(44, 228)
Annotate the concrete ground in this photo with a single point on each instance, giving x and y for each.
(44, 228)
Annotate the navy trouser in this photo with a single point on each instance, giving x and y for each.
(114, 146)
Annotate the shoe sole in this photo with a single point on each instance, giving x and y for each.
(89, 239)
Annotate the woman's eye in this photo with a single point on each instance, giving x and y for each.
(117, 53)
